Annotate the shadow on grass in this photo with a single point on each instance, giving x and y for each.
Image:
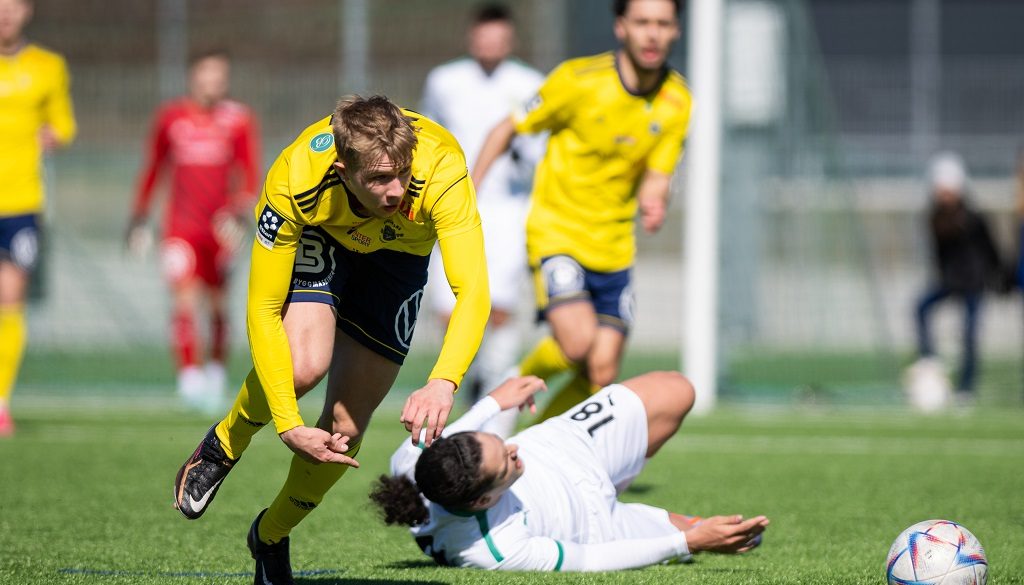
(638, 489)
(411, 564)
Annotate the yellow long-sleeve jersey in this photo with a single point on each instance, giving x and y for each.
(303, 188)
(603, 139)
(33, 94)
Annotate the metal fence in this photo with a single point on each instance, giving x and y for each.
(822, 240)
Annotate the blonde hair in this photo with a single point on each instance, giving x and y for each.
(368, 129)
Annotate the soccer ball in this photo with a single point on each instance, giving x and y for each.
(936, 552)
(927, 385)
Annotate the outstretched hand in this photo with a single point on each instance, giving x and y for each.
(318, 446)
(652, 213)
(138, 239)
(430, 404)
(518, 392)
(229, 231)
(726, 534)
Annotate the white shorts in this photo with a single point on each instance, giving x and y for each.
(504, 226)
(616, 422)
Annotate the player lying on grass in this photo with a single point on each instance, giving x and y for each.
(547, 498)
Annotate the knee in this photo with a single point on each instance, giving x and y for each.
(575, 349)
(679, 394)
(307, 374)
(686, 394)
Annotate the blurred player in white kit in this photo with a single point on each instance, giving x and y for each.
(469, 96)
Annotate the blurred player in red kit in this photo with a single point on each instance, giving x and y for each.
(209, 143)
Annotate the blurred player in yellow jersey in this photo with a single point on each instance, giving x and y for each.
(617, 122)
(344, 228)
(35, 117)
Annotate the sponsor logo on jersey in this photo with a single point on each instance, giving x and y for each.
(360, 238)
(321, 142)
(267, 227)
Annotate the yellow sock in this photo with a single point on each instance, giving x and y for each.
(545, 360)
(304, 489)
(12, 346)
(249, 414)
(575, 391)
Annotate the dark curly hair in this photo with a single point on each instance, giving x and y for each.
(447, 473)
(399, 501)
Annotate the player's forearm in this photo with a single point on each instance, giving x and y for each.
(481, 412)
(144, 192)
(271, 354)
(60, 115)
(654, 187)
(652, 196)
(466, 268)
(624, 554)
(497, 142)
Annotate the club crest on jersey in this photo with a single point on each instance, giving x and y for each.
(267, 227)
(390, 231)
(321, 142)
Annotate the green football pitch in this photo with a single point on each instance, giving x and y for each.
(85, 494)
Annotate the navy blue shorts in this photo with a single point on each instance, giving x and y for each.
(376, 296)
(19, 240)
(561, 279)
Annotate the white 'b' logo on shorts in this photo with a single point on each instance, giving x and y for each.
(405, 319)
(627, 305)
(310, 256)
(562, 276)
(25, 248)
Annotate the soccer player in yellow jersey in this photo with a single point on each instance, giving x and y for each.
(344, 228)
(35, 117)
(617, 122)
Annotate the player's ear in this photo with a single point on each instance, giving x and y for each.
(340, 167)
(619, 28)
(482, 502)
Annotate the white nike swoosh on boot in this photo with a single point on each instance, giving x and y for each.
(201, 502)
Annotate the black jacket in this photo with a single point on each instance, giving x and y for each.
(963, 250)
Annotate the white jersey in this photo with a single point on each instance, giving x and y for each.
(562, 514)
(467, 101)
